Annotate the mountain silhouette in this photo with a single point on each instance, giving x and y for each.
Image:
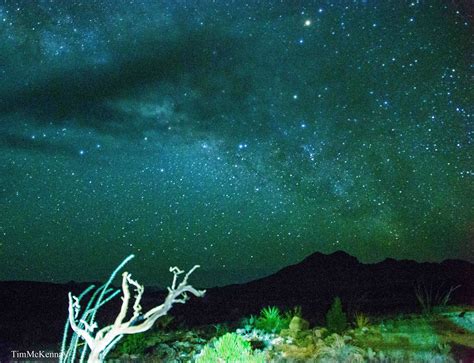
(379, 288)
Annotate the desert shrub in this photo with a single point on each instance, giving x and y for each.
(443, 348)
(164, 322)
(335, 348)
(134, 344)
(248, 323)
(336, 319)
(433, 295)
(271, 320)
(230, 347)
(220, 329)
(361, 320)
(295, 311)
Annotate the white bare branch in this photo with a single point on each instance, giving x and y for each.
(108, 336)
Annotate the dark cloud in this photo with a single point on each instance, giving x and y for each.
(150, 63)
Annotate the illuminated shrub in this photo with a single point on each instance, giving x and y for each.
(230, 347)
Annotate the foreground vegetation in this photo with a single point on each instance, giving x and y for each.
(276, 336)
(272, 336)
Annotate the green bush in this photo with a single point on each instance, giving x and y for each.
(230, 347)
(336, 319)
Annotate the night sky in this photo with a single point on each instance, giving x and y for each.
(242, 136)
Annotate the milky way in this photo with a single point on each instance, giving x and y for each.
(240, 136)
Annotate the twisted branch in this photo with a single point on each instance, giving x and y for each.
(107, 337)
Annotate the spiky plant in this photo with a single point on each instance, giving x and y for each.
(271, 320)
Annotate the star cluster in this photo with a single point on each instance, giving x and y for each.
(242, 136)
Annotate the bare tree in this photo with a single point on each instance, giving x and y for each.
(103, 340)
